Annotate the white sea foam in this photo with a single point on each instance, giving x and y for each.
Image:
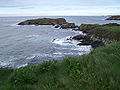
(31, 57)
(57, 53)
(32, 36)
(4, 64)
(65, 41)
(38, 55)
(23, 65)
(79, 32)
(82, 48)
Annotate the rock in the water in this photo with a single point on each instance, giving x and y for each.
(68, 25)
(82, 44)
(114, 18)
(78, 37)
(57, 26)
(69, 38)
(44, 21)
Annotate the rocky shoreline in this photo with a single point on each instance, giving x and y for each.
(114, 18)
(96, 35)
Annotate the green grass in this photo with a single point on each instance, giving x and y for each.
(109, 31)
(44, 21)
(113, 28)
(99, 70)
(106, 32)
(4, 75)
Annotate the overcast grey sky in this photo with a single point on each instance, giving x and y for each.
(59, 7)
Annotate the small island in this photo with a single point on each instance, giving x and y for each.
(117, 17)
(58, 22)
(43, 21)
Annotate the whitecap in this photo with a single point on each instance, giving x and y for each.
(4, 64)
(31, 57)
(23, 65)
(65, 41)
(32, 36)
(57, 53)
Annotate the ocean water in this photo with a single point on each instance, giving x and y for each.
(24, 45)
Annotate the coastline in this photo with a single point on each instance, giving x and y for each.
(96, 70)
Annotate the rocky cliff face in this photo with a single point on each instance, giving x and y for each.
(114, 18)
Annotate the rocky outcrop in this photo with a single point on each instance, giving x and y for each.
(68, 25)
(86, 27)
(87, 40)
(114, 18)
(79, 37)
(44, 21)
(98, 35)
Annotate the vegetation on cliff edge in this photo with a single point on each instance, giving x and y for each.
(109, 31)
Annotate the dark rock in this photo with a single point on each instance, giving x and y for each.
(53, 40)
(76, 26)
(114, 18)
(86, 40)
(96, 44)
(70, 38)
(78, 37)
(82, 44)
(57, 26)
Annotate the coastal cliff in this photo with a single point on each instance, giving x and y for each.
(98, 35)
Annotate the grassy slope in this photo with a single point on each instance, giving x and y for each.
(97, 70)
(106, 31)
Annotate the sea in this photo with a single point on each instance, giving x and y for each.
(31, 45)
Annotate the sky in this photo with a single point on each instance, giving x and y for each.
(59, 7)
